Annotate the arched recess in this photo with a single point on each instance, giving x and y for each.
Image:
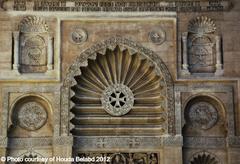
(204, 115)
(205, 128)
(30, 116)
(116, 45)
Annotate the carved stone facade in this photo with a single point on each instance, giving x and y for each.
(144, 82)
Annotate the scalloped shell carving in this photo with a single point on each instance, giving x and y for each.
(202, 25)
(33, 24)
(119, 83)
(204, 158)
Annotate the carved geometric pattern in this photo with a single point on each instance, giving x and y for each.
(117, 100)
(32, 116)
(202, 115)
(91, 53)
(204, 158)
(202, 25)
(124, 158)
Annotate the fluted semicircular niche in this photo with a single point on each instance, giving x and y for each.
(204, 158)
(119, 93)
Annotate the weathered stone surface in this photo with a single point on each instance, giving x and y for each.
(144, 82)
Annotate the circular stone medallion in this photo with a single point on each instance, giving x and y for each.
(32, 116)
(117, 100)
(203, 115)
(79, 36)
(157, 36)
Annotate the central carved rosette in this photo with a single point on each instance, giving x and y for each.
(117, 100)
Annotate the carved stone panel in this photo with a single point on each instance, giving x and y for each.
(202, 47)
(123, 158)
(201, 54)
(35, 52)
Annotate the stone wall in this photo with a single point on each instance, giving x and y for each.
(47, 55)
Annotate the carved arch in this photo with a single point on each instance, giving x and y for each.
(214, 105)
(91, 53)
(24, 108)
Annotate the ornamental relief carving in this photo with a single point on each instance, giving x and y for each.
(202, 47)
(203, 115)
(33, 46)
(30, 114)
(120, 83)
(124, 158)
(204, 158)
(78, 35)
(99, 61)
(157, 36)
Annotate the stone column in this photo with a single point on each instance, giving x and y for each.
(50, 53)
(219, 69)
(185, 55)
(16, 50)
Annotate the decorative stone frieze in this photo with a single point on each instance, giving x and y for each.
(85, 143)
(119, 6)
(123, 157)
(204, 142)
